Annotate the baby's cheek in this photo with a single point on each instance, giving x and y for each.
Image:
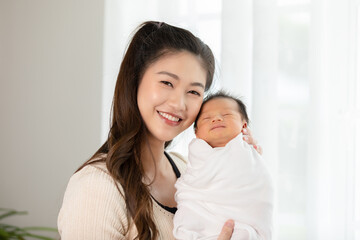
(200, 132)
(236, 127)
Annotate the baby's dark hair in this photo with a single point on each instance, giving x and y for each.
(223, 94)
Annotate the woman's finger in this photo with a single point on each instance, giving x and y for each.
(247, 136)
(258, 148)
(227, 230)
(249, 139)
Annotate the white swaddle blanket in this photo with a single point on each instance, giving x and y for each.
(230, 182)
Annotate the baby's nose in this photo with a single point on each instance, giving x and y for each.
(217, 118)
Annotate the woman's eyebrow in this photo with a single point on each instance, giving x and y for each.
(169, 74)
(176, 77)
(197, 84)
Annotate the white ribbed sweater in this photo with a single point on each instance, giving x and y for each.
(93, 208)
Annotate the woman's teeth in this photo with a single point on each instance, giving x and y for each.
(171, 118)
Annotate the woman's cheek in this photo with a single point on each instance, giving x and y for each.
(196, 105)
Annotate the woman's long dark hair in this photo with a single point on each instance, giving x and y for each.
(127, 132)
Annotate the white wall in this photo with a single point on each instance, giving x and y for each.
(50, 100)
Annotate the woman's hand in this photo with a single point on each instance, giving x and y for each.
(227, 230)
(247, 136)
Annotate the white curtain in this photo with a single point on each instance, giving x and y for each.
(296, 64)
(306, 116)
(334, 110)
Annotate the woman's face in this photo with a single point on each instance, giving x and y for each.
(170, 94)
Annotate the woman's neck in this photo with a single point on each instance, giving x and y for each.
(153, 159)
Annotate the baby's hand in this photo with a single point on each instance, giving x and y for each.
(247, 136)
(227, 230)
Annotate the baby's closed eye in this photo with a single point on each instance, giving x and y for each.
(205, 118)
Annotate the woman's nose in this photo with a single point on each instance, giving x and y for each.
(177, 101)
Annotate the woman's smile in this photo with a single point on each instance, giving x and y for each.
(170, 119)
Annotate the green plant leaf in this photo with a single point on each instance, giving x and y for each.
(10, 212)
(8, 232)
(10, 228)
(3, 234)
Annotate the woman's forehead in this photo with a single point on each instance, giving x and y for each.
(184, 65)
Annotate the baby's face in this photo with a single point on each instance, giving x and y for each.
(219, 122)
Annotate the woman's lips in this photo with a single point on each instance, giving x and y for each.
(170, 119)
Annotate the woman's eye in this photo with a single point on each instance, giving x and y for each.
(167, 83)
(195, 93)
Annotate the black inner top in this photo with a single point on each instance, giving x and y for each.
(177, 173)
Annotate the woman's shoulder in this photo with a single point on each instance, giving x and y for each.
(89, 172)
(93, 180)
(92, 196)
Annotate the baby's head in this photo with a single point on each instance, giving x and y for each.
(221, 118)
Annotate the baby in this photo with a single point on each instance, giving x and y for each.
(225, 177)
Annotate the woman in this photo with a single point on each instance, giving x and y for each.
(126, 189)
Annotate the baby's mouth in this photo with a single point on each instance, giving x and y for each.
(217, 126)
